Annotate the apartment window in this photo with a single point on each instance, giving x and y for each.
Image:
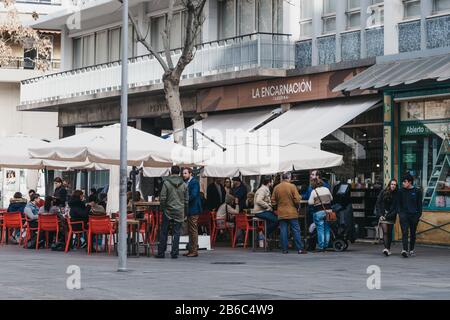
(411, 8)
(376, 13)
(77, 53)
(329, 16)
(101, 47)
(306, 15)
(157, 25)
(89, 50)
(441, 5)
(353, 14)
(114, 44)
(246, 17)
(227, 18)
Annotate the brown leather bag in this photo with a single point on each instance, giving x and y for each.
(330, 215)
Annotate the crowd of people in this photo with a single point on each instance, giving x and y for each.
(276, 202)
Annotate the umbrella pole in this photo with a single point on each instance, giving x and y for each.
(122, 248)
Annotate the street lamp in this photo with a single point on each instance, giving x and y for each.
(122, 248)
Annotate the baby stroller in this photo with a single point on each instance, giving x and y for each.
(342, 230)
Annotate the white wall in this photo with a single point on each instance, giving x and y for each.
(42, 125)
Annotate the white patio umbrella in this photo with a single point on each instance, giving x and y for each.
(253, 159)
(103, 146)
(14, 154)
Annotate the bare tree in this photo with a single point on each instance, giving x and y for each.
(173, 71)
(14, 34)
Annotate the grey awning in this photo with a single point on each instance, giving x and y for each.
(390, 74)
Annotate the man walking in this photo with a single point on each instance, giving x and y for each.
(194, 210)
(174, 202)
(410, 212)
(263, 207)
(287, 199)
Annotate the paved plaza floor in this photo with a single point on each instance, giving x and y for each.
(227, 273)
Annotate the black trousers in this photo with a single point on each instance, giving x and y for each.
(164, 233)
(408, 223)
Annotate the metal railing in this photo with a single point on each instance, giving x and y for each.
(50, 2)
(28, 64)
(257, 50)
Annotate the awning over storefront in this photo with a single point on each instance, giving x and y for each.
(400, 72)
(310, 122)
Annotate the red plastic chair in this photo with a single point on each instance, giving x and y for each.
(28, 231)
(47, 223)
(100, 226)
(242, 223)
(216, 227)
(205, 220)
(78, 232)
(12, 221)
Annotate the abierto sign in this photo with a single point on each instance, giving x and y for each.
(272, 92)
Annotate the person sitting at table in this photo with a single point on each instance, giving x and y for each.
(215, 195)
(17, 203)
(250, 201)
(94, 209)
(226, 212)
(263, 207)
(41, 201)
(78, 210)
(49, 206)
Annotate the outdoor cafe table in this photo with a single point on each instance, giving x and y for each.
(132, 237)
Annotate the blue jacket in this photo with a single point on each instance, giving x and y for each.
(195, 201)
(17, 205)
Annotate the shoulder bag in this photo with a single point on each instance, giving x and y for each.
(330, 215)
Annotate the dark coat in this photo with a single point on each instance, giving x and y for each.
(387, 207)
(240, 193)
(61, 196)
(213, 197)
(17, 205)
(78, 210)
(195, 201)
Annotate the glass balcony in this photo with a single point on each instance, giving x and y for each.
(258, 50)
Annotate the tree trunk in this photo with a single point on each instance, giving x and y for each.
(172, 95)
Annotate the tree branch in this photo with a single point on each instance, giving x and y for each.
(166, 35)
(145, 43)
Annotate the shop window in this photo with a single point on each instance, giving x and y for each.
(424, 149)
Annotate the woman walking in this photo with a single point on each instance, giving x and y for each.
(387, 208)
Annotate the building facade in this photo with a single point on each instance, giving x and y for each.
(259, 55)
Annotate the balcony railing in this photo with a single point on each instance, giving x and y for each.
(258, 50)
(49, 2)
(28, 64)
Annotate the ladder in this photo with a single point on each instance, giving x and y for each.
(436, 183)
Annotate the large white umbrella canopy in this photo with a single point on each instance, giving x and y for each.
(103, 146)
(253, 159)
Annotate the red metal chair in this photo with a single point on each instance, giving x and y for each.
(220, 224)
(77, 231)
(12, 221)
(242, 223)
(100, 226)
(47, 223)
(28, 231)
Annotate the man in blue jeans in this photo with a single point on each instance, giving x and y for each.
(287, 199)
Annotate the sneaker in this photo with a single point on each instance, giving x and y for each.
(174, 257)
(412, 253)
(302, 252)
(386, 252)
(404, 254)
(285, 252)
(160, 256)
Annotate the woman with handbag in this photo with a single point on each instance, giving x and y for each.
(387, 207)
(321, 198)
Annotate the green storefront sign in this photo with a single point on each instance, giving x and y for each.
(421, 129)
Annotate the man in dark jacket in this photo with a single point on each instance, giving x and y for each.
(215, 195)
(410, 203)
(17, 203)
(174, 199)
(60, 193)
(194, 210)
(239, 191)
